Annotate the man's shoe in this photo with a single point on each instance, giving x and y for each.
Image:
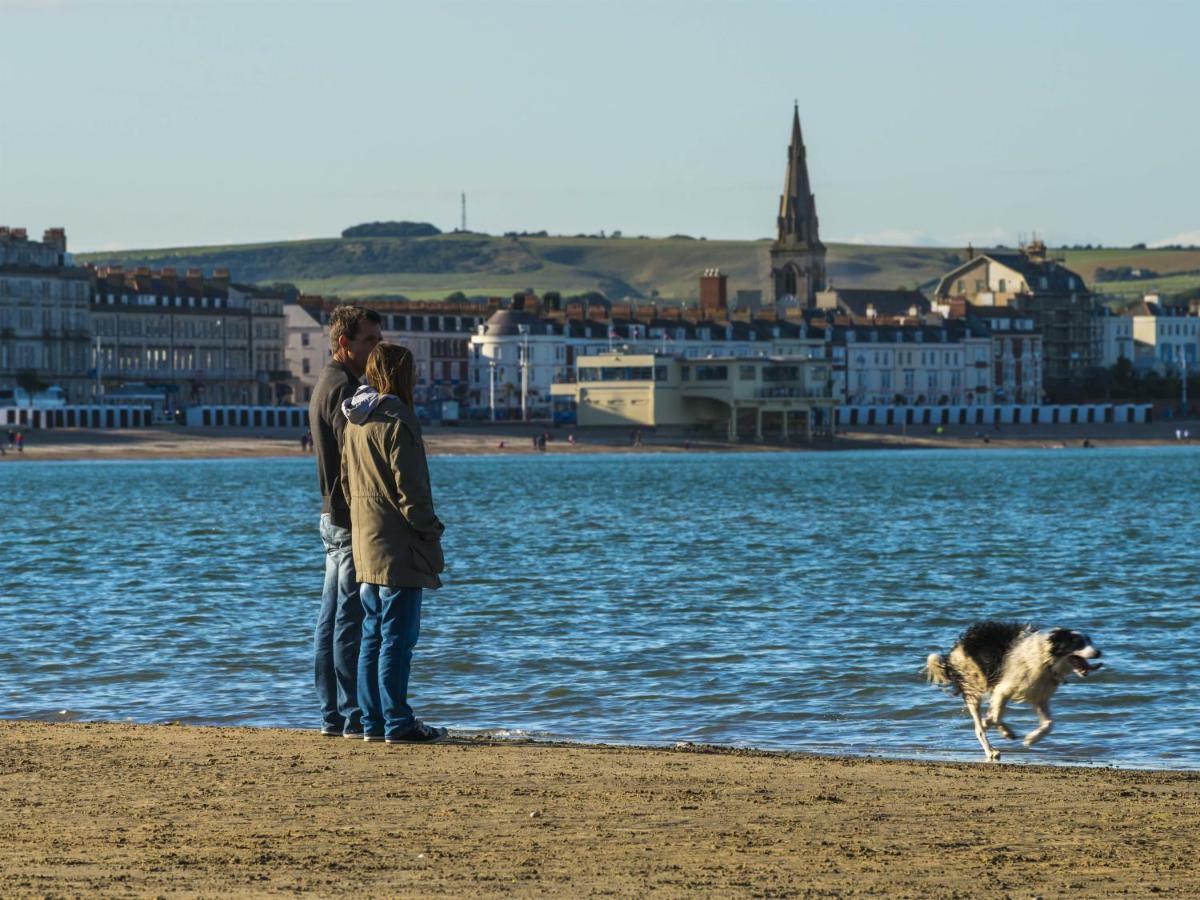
(353, 735)
(331, 731)
(373, 738)
(420, 733)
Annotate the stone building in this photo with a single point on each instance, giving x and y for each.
(797, 256)
(1054, 297)
(186, 339)
(45, 338)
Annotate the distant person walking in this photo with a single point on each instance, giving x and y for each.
(353, 334)
(20, 440)
(396, 537)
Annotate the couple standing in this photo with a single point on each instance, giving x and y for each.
(382, 538)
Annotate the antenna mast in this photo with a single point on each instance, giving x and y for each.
(464, 211)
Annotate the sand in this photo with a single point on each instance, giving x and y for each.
(124, 810)
(174, 442)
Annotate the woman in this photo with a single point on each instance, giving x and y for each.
(395, 537)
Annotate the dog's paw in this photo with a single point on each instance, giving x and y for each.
(1032, 738)
(1005, 732)
(993, 756)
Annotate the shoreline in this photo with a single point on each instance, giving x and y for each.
(142, 809)
(176, 442)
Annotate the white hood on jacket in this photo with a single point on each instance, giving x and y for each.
(359, 407)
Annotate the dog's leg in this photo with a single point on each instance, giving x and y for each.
(1044, 726)
(981, 729)
(996, 713)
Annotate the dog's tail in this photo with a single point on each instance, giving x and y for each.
(936, 670)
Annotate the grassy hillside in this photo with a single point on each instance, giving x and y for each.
(628, 267)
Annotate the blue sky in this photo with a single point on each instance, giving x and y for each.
(141, 123)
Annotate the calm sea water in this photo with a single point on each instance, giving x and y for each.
(782, 601)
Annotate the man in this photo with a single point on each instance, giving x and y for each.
(353, 334)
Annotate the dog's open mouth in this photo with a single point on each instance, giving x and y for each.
(1082, 667)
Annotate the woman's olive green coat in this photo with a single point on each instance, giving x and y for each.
(395, 534)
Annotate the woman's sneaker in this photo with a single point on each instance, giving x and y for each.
(420, 733)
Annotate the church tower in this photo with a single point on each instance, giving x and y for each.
(797, 256)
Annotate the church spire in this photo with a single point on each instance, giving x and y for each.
(797, 222)
(797, 256)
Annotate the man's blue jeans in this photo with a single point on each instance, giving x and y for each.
(391, 626)
(339, 629)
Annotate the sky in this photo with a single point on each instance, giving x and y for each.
(156, 123)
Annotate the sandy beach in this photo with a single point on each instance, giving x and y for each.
(124, 810)
(175, 442)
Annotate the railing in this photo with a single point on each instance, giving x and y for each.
(812, 393)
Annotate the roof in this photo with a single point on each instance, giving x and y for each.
(883, 303)
(1033, 270)
(509, 321)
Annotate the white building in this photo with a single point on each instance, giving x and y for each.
(1116, 340)
(306, 348)
(1165, 338)
(924, 365)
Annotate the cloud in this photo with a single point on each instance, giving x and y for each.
(896, 237)
(900, 237)
(1187, 238)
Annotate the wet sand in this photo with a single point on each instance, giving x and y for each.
(173, 442)
(123, 810)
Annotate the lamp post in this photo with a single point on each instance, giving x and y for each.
(492, 388)
(524, 330)
(99, 384)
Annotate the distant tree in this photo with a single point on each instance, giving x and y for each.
(391, 229)
(456, 297)
(616, 235)
(1140, 246)
(680, 237)
(29, 381)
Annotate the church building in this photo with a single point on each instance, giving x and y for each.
(797, 256)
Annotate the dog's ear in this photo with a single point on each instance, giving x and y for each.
(1063, 641)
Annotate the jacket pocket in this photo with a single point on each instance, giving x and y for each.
(427, 556)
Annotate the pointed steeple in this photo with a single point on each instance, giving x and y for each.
(797, 256)
(797, 221)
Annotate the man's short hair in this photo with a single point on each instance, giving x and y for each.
(347, 320)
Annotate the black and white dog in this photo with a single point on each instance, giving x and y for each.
(1011, 662)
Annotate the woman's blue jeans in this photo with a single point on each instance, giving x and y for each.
(390, 628)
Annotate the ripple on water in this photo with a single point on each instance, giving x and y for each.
(629, 599)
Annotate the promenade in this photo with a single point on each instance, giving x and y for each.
(175, 442)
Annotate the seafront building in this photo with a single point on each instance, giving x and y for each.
(746, 397)
(1165, 338)
(1061, 307)
(162, 337)
(45, 328)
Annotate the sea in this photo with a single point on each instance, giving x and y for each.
(783, 601)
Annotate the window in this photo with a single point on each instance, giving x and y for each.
(304, 339)
(712, 373)
(746, 373)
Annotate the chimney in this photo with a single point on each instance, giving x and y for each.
(56, 238)
(221, 277)
(195, 281)
(19, 234)
(714, 290)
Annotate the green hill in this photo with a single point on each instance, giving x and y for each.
(476, 264)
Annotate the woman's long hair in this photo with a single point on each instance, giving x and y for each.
(391, 370)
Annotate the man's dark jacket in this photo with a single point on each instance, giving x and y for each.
(328, 424)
